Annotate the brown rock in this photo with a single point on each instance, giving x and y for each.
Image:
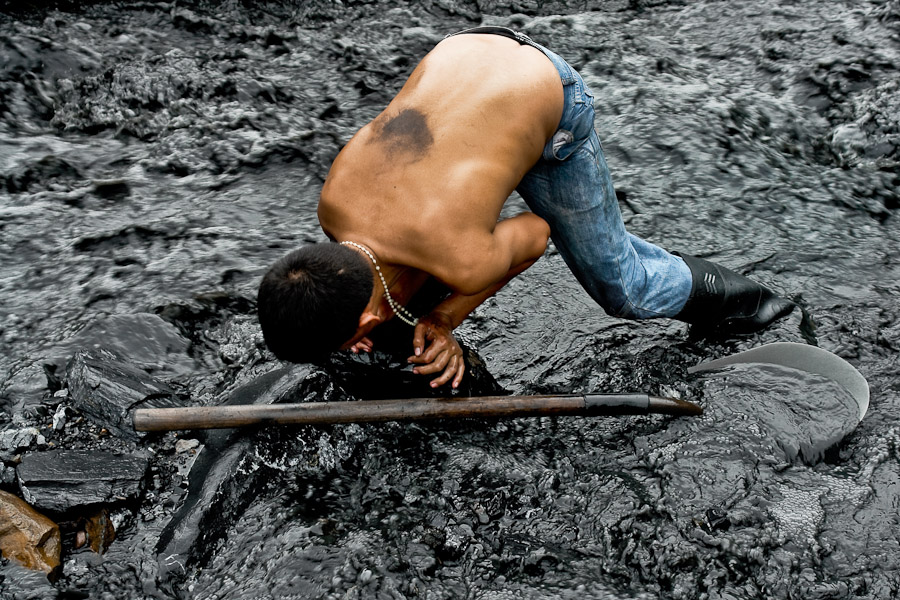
(99, 531)
(26, 536)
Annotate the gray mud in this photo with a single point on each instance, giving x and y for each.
(155, 158)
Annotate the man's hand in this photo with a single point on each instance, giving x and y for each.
(442, 354)
(363, 345)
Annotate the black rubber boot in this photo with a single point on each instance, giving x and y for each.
(723, 302)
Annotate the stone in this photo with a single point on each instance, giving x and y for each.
(59, 418)
(106, 390)
(26, 388)
(61, 480)
(182, 446)
(220, 484)
(26, 536)
(143, 340)
(7, 477)
(13, 440)
(96, 530)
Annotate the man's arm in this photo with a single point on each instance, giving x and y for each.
(517, 244)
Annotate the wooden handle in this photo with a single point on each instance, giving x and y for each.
(360, 411)
(367, 411)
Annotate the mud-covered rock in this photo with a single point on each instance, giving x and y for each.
(226, 473)
(62, 480)
(107, 390)
(25, 389)
(7, 477)
(143, 340)
(16, 439)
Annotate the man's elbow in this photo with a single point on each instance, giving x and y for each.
(542, 239)
(538, 236)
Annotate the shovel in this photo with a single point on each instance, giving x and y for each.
(802, 357)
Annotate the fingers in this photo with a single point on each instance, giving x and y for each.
(443, 354)
(434, 350)
(363, 345)
(459, 373)
(455, 369)
(433, 366)
(452, 365)
(419, 339)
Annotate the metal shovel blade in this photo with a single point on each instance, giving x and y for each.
(803, 358)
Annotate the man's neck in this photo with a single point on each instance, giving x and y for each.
(393, 285)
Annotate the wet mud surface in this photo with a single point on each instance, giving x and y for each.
(155, 158)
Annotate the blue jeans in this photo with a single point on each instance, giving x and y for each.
(570, 188)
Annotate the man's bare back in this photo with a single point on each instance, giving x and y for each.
(423, 184)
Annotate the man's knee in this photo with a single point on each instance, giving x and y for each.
(632, 297)
(612, 297)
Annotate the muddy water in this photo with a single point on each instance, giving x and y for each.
(156, 158)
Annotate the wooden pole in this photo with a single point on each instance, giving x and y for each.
(367, 411)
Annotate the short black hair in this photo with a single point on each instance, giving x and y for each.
(309, 301)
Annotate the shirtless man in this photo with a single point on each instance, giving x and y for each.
(417, 194)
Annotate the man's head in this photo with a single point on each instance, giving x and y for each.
(310, 301)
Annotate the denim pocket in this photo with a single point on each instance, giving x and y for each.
(564, 144)
(575, 128)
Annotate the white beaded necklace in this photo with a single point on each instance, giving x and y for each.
(402, 314)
